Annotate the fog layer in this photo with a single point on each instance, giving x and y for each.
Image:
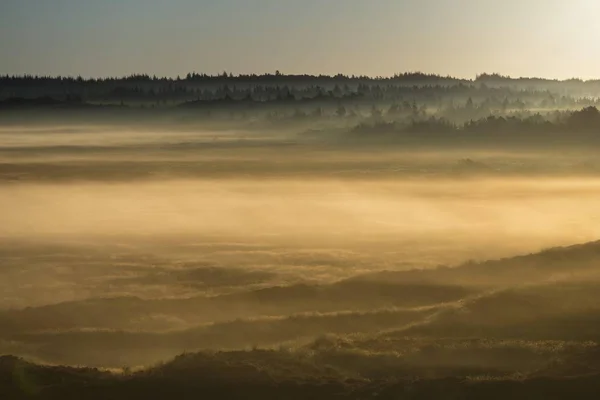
(130, 246)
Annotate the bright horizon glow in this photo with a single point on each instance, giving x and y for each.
(538, 38)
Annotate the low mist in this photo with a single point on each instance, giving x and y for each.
(541, 212)
(127, 248)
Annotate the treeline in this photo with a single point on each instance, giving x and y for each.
(434, 90)
(457, 104)
(408, 77)
(225, 77)
(586, 120)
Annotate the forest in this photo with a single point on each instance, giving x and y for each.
(414, 103)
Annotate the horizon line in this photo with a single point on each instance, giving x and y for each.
(277, 74)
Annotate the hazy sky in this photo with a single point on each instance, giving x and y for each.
(550, 38)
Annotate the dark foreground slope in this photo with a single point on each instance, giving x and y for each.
(276, 375)
(526, 328)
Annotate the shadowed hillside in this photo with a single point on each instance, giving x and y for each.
(269, 374)
(537, 298)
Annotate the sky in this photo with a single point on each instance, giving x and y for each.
(545, 38)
